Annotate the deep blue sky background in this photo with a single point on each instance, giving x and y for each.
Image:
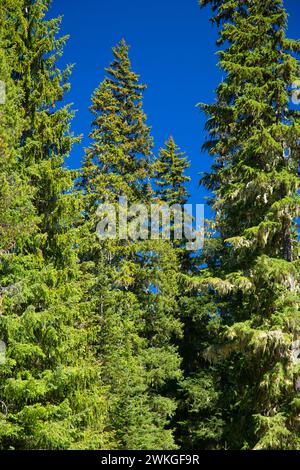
(172, 49)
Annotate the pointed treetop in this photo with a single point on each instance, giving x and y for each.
(169, 168)
(120, 71)
(117, 161)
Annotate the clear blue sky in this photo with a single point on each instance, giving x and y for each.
(172, 49)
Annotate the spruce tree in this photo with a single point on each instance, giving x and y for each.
(169, 174)
(253, 253)
(17, 214)
(198, 419)
(50, 381)
(117, 163)
(133, 282)
(169, 187)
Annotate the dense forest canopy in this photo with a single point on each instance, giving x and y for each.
(138, 342)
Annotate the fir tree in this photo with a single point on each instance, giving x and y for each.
(198, 419)
(117, 161)
(50, 382)
(253, 258)
(168, 173)
(133, 283)
(169, 186)
(17, 214)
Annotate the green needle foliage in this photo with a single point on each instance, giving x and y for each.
(133, 283)
(169, 187)
(168, 173)
(253, 253)
(50, 382)
(198, 419)
(117, 163)
(134, 342)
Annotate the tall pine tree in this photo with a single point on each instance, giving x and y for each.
(253, 256)
(169, 174)
(118, 160)
(50, 382)
(198, 419)
(133, 282)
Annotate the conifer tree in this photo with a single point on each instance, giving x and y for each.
(168, 174)
(50, 381)
(253, 254)
(118, 160)
(198, 422)
(169, 186)
(15, 192)
(133, 282)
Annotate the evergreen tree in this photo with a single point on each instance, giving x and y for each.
(117, 163)
(198, 421)
(133, 283)
(253, 254)
(50, 382)
(17, 213)
(168, 173)
(169, 178)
